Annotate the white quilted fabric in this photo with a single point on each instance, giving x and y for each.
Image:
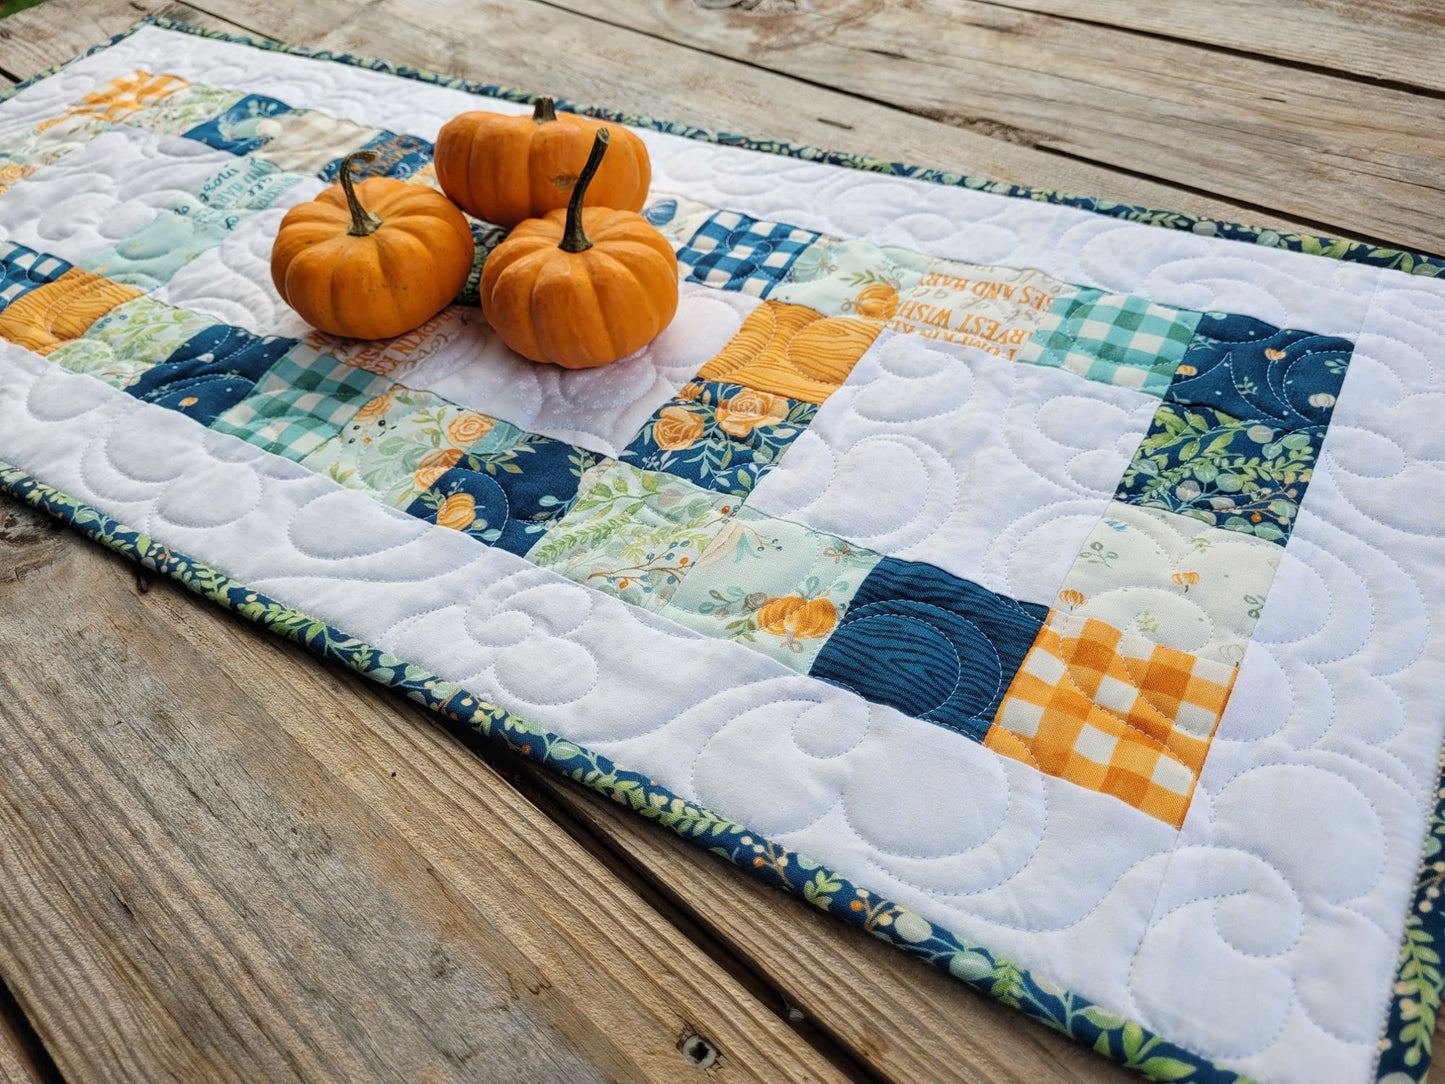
(1264, 935)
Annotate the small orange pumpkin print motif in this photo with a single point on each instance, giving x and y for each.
(1071, 598)
(1274, 355)
(797, 618)
(1185, 580)
(876, 302)
(457, 512)
(1186, 370)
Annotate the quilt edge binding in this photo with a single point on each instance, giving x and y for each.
(469, 718)
(1407, 1033)
(1363, 252)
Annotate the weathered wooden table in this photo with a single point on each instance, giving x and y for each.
(224, 860)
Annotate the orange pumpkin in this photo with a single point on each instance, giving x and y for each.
(504, 168)
(371, 260)
(581, 288)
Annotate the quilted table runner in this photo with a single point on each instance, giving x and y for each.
(1053, 594)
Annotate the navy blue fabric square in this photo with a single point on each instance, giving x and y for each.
(397, 156)
(508, 498)
(23, 269)
(930, 644)
(1256, 372)
(237, 129)
(734, 251)
(211, 372)
(722, 437)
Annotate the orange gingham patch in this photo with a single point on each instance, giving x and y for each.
(1114, 713)
(122, 96)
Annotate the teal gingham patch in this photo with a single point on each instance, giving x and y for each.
(301, 403)
(1114, 339)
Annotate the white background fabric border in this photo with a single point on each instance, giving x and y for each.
(1264, 936)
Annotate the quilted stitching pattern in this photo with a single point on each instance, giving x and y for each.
(930, 644)
(58, 311)
(792, 351)
(734, 251)
(1113, 713)
(1347, 797)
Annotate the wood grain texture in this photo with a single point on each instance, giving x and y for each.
(1359, 159)
(1401, 41)
(591, 61)
(226, 862)
(910, 1021)
(15, 1064)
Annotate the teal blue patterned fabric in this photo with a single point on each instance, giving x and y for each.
(23, 269)
(722, 437)
(397, 156)
(930, 644)
(1255, 371)
(1239, 475)
(509, 498)
(211, 372)
(235, 130)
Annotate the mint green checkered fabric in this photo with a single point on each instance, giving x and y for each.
(1113, 338)
(301, 403)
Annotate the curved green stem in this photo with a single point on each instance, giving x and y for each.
(363, 221)
(544, 110)
(573, 238)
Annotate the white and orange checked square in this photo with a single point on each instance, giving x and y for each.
(1114, 713)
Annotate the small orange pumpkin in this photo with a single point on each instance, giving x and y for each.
(504, 168)
(371, 260)
(581, 288)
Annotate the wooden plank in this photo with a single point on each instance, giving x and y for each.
(15, 1064)
(1401, 41)
(224, 863)
(40, 37)
(591, 61)
(909, 1021)
(1358, 158)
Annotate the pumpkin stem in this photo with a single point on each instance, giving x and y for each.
(573, 239)
(544, 110)
(363, 221)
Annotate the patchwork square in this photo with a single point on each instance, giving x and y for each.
(793, 351)
(129, 339)
(994, 309)
(148, 258)
(398, 444)
(1238, 475)
(633, 533)
(773, 585)
(247, 184)
(852, 278)
(125, 95)
(245, 127)
(398, 356)
(1172, 580)
(720, 436)
(187, 108)
(676, 217)
(22, 154)
(58, 311)
(23, 269)
(930, 644)
(733, 251)
(307, 140)
(1113, 713)
(1255, 371)
(508, 498)
(211, 372)
(397, 156)
(301, 402)
(1112, 338)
